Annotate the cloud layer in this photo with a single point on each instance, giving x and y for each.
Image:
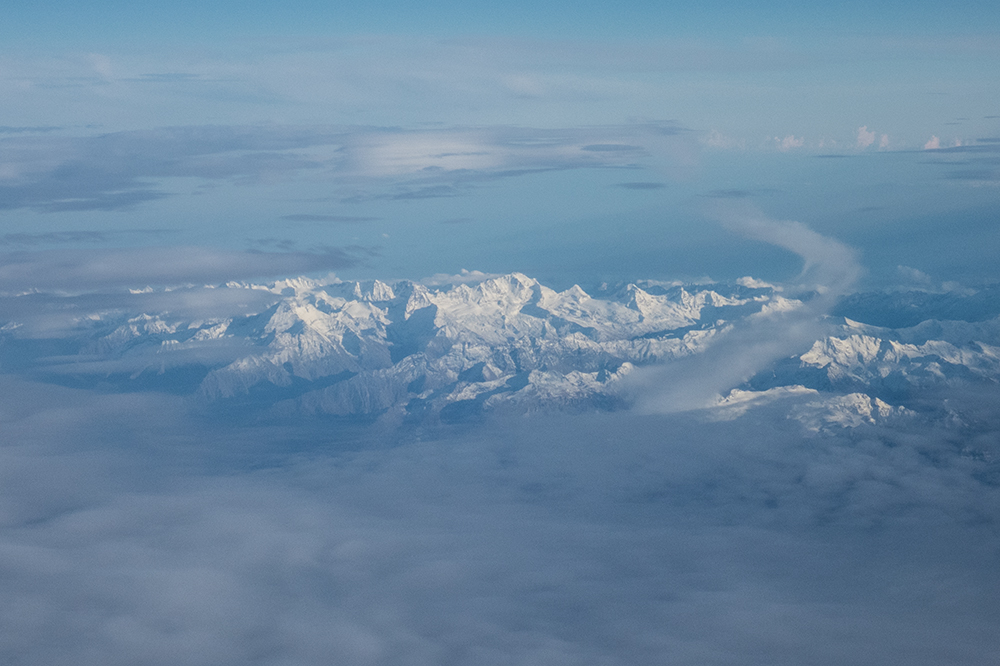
(136, 530)
(77, 271)
(124, 169)
(605, 539)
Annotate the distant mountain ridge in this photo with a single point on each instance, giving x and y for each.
(360, 349)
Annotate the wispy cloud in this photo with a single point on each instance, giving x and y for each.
(829, 270)
(465, 277)
(54, 237)
(313, 217)
(716, 139)
(729, 194)
(8, 129)
(77, 270)
(504, 149)
(122, 170)
(60, 315)
(74, 237)
(641, 185)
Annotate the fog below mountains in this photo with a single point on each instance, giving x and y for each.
(589, 539)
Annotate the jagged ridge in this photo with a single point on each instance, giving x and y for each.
(362, 348)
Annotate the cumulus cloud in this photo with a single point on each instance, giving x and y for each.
(790, 142)
(866, 137)
(933, 143)
(883, 142)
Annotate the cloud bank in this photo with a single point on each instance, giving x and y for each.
(602, 539)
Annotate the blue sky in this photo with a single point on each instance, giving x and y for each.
(185, 19)
(578, 142)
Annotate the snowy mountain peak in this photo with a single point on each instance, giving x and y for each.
(375, 291)
(354, 348)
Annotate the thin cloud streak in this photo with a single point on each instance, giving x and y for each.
(829, 271)
(48, 315)
(313, 217)
(122, 170)
(80, 271)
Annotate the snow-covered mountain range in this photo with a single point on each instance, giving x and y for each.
(354, 349)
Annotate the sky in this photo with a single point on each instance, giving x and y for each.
(850, 147)
(556, 141)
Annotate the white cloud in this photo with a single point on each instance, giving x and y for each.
(883, 142)
(865, 137)
(914, 275)
(607, 539)
(384, 155)
(716, 139)
(464, 277)
(77, 271)
(754, 283)
(123, 170)
(392, 154)
(790, 142)
(830, 269)
(42, 315)
(933, 143)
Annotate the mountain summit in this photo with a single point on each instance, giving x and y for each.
(360, 349)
